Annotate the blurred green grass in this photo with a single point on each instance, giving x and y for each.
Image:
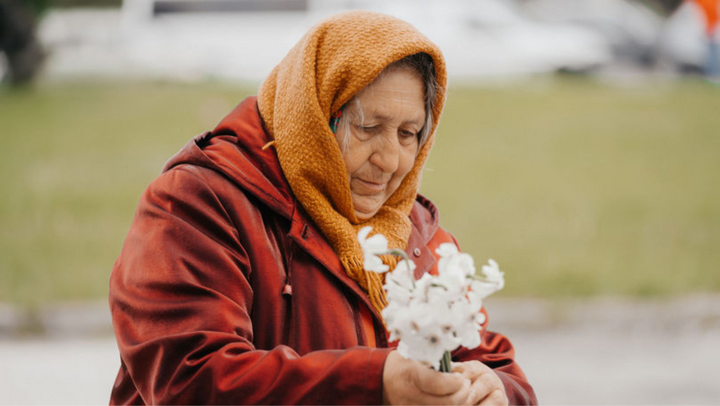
(574, 187)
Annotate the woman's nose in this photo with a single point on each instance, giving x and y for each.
(386, 155)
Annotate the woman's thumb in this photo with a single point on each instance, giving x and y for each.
(439, 383)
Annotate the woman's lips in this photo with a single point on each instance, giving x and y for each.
(364, 187)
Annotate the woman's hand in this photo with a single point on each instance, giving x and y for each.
(487, 388)
(407, 382)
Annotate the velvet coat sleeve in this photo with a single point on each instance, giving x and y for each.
(182, 304)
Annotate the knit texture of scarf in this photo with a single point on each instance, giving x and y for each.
(335, 60)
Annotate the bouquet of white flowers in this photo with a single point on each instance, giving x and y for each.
(433, 315)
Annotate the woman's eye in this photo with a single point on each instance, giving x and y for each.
(407, 136)
(366, 132)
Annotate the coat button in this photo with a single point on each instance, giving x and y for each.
(417, 252)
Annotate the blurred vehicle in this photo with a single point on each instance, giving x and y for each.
(483, 38)
(192, 39)
(245, 39)
(186, 40)
(683, 40)
(630, 27)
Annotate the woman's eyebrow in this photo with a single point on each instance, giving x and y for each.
(379, 116)
(384, 117)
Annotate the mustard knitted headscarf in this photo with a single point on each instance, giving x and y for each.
(335, 60)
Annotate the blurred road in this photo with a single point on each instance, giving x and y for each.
(581, 367)
(57, 372)
(622, 352)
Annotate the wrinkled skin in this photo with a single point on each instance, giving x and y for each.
(410, 382)
(380, 139)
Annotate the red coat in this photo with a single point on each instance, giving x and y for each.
(225, 291)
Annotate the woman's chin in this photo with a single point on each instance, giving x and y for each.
(365, 215)
(366, 207)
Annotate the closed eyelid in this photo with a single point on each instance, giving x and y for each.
(411, 130)
(372, 128)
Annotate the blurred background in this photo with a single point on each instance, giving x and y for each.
(580, 148)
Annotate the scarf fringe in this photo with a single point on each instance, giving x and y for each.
(371, 282)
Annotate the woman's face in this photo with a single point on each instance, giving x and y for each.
(384, 121)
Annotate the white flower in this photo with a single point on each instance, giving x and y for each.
(475, 301)
(434, 314)
(454, 261)
(467, 321)
(482, 289)
(491, 280)
(453, 273)
(469, 337)
(400, 283)
(374, 264)
(422, 291)
(446, 249)
(493, 274)
(466, 263)
(371, 247)
(454, 268)
(427, 316)
(406, 267)
(427, 346)
(397, 319)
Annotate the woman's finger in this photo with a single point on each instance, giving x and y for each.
(495, 398)
(490, 389)
(439, 384)
(464, 396)
(469, 369)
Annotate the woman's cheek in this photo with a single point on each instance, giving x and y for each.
(357, 155)
(407, 160)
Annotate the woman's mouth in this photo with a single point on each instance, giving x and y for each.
(365, 187)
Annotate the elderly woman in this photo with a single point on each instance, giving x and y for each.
(241, 279)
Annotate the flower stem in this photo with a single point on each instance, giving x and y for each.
(446, 362)
(399, 253)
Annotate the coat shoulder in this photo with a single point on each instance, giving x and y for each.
(425, 217)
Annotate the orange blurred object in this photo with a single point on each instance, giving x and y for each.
(710, 11)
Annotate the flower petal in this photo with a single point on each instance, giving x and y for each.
(363, 234)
